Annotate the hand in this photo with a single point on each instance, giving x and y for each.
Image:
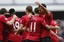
(14, 16)
(24, 28)
(16, 31)
(37, 3)
(60, 38)
(28, 29)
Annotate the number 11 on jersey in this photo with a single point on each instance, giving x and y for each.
(33, 27)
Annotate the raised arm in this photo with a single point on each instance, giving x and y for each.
(12, 20)
(45, 10)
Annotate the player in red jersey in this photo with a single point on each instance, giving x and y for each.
(3, 21)
(44, 13)
(35, 27)
(12, 29)
(25, 20)
(5, 32)
(55, 37)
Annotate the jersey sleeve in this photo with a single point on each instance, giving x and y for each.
(4, 19)
(23, 20)
(20, 21)
(51, 16)
(43, 22)
(55, 23)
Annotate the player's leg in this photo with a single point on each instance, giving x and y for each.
(1, 41)
(23, 40)
(31, 41)
(48, 39)
(9, 41)
(43, 39)
(28, 41)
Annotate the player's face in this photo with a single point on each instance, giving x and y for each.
(40, 10)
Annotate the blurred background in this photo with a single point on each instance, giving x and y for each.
(55, 6)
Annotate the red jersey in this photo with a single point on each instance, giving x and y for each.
(54, 39)
(35, 27)
(45, 31)
(48, 19)
(16, 25)
(25, 20)
(3, 21)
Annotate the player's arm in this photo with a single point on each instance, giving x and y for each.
(48, 26)
(21, 28)
(45, 10)
(52, 27)
(54, 34)
(12, 20)
(18, 30)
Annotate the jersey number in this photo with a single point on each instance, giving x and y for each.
(16, 25)
(33, 27)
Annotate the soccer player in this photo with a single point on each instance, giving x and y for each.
(55, 37)
(44, 13)
(35, 27)
(25, 20)
(12, 29)
(3, 21)
(36, 23)
(5, 32)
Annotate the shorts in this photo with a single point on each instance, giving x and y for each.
(46, 39)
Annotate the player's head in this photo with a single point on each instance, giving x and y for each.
(44, 5)
(41, 10)
(12, 11)
(7, 15)
(3, 11)
(58, 22)
(29, 9)
(36, 11)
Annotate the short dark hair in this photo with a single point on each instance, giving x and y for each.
(12, 11)
(36, 10)
(44, 5)
(29, 8)
(3, 10)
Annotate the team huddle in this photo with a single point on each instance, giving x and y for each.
(37, 27)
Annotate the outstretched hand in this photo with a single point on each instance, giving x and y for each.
(37, 3)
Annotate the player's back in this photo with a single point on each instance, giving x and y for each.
(25, 20)
(35, 24)
(34, 29)
(15, 26)
(2, 23)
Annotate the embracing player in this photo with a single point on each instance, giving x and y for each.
(4, 21)
(12, 29)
